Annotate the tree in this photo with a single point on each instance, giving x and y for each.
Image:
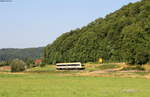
(18, 65)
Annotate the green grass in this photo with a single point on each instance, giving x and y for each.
(108, 66)
(48, 85)
(101, 67)
(47, 82)
(142, 73)
(94, 67)
(49, 69)
(134, 68)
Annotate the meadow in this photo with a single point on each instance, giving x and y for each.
(47, 82)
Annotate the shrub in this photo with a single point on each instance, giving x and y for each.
(29, 63)
(2, 63)
(141, 58)
(17, 65)
(42, 64)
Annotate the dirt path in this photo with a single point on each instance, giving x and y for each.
(106, 71)
(117, 72)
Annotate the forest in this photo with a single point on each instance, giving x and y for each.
(23, 54)
(121, 36)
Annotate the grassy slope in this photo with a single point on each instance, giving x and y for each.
(47, 85)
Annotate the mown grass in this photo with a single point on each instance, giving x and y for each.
(48, 85)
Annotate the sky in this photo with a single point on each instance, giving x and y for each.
(36, 23)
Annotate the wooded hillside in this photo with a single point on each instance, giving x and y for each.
(23, 54)
(122, 36)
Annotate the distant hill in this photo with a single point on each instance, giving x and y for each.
(122, 36)
(28, 53)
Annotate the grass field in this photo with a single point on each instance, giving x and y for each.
(47, 82)
(46, 85)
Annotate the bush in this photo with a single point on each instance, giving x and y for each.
(17, 65)
(2, 63)
(29, 63)
(141, 58)
(42, 64)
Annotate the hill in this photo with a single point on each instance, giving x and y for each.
(24, 54)
(122, 36)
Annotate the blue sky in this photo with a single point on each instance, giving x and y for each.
(34, 23)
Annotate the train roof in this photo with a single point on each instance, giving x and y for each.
(68, 63)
